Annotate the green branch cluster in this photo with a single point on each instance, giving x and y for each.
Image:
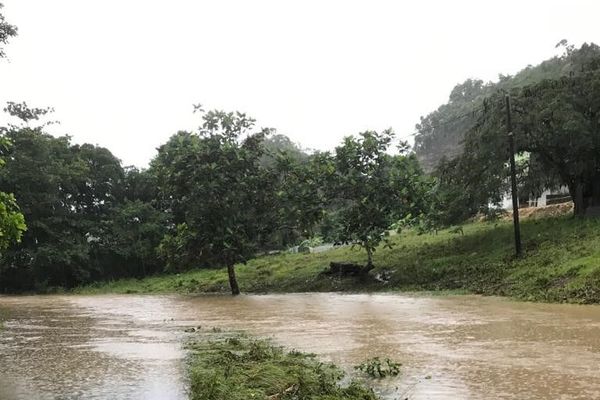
(241, 368)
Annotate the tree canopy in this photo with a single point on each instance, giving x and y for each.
(214, 197)
(373, 189)
(440, 135)
(12, 222)
(555, 125)
(557, 121)
(79, 207)
(219, 193)
(6, 32)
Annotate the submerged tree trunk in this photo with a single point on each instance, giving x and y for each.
(235, 289)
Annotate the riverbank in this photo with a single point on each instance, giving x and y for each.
(236, 367)
(561, 264)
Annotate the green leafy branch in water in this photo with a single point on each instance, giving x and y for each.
(376, 368)
(242, 368)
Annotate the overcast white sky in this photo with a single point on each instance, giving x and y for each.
(124, 73)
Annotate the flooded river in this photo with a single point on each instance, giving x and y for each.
(452, 347)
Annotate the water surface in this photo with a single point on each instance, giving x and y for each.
(468, 347)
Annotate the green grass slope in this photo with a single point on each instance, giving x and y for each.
(561, 264)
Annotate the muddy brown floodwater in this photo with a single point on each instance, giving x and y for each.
(451, 347)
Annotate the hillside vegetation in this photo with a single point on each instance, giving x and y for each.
(561, 264)
(440, 134)
(72, 215)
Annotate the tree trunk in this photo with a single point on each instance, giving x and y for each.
(369, 258)
(235, 289)
(578, 200)
(596, 190)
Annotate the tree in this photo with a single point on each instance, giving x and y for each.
(556, 122)
(68, 194)
(40, 171)
(373, 189)
(139, 185)
(276, 146)
(440, 134)
(561, 125)
(135, 230)
(12, 221)
(222, 199)
(299, 195)
(6, 32)
(555, 119)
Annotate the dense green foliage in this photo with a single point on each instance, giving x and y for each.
(86, 215)
(229, 194)
(372, 190)
(12, 222)
(558, 122)
(211, 198)
(220, 195)
(72, 215)
(555, 122)
(561, 264)
(241, 368)
(440, 134)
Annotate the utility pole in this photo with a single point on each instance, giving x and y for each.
(513, 180)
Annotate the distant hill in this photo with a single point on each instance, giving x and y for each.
(440, 134)
(280, 144)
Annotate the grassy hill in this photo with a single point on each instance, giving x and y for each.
(561, 264)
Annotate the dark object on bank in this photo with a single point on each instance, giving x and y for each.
(346, 269)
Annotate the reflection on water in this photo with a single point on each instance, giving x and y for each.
(130, 347)
(55, 347)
